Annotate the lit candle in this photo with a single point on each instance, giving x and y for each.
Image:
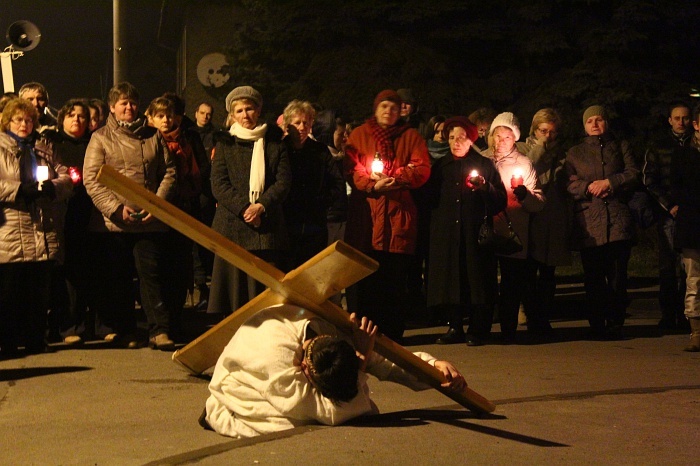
(517, 178)
(377, 164)
(75, 174)
(473, 177)
(42, 174)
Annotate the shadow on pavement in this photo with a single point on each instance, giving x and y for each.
(29, 372)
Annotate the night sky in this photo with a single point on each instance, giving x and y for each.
(74, 56)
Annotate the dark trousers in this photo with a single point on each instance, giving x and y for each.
(605, 282)
(539, 304)
(305, 241)
(381, 295)
(148, 252)
(24, 301)
(517, 283)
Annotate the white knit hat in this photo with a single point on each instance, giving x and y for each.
(508, 120)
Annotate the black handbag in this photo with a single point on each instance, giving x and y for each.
(502, 245)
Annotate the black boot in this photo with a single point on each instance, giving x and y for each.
(453, 335)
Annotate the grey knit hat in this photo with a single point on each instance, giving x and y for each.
(243, 92)
(595, 110)
(508, 120)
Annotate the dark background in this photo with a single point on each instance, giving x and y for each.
(634, 56)
(74, 55)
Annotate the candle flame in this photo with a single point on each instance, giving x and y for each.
(518, 173)
(474, 174)
(377, 166)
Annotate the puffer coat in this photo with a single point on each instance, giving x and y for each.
(30, 231)
(140, 155)
(598, 221)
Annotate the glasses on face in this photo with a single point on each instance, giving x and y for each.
(546, 132)
(19, 120)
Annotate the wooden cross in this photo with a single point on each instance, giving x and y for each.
(309, 286)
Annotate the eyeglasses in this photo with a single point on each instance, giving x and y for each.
(20, 120)
(546, 132)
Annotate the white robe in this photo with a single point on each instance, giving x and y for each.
(258, 386)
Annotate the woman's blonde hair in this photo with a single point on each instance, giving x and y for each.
(545, 115)
(295, 107)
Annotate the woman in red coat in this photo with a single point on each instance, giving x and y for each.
(385, 159)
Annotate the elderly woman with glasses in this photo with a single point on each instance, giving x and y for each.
(550, 228)
(33, 186)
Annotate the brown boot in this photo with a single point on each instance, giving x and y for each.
(161, 342)
(694, 345)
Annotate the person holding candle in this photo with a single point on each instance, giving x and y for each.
(462, 189)
(602, 176)
(70, 142)
(382, 216)
(31, 232)
(550, 228)
(524, 198)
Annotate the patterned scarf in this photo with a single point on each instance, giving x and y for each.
(257, 163)
(384, 139)
(188, 178)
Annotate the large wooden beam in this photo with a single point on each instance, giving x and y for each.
(282, 285)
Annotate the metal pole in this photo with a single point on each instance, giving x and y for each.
(119, 32)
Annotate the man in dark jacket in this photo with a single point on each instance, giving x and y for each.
(656, 174)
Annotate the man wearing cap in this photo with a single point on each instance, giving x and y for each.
(657, 179)
(385, 160)
(250, 178)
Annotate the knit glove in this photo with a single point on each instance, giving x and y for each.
(48, 189)
(29, 191)
(520, 192)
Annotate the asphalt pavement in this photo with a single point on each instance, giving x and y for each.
(565, 400)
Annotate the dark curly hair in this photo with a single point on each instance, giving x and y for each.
(334, 368)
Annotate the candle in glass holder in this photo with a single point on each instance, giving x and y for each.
(377, 164)
(517, 178)
(473, 177)
(42, 174)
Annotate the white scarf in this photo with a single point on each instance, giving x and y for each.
(257, 163)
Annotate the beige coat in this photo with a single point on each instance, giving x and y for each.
(140, 155)
(30, 231)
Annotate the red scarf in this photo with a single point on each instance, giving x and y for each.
(384, 139)
(188, 178)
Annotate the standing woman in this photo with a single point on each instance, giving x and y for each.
(250, 179)
(550, 228)
(31, 229)
(524, 198)
(70, 142)
(463, 187)
(382, 217)
(602, 175)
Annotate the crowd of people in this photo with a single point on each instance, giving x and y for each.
(414, 195)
